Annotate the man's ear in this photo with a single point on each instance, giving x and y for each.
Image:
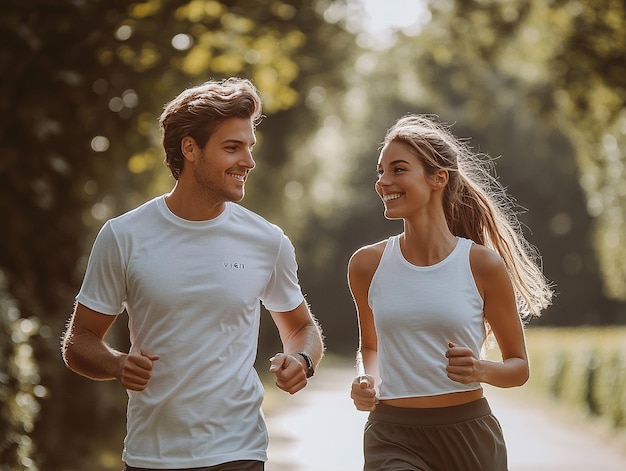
(189, 147)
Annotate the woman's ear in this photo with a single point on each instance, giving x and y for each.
(440, 178)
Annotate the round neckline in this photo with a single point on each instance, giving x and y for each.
(398, 250)
(170, 216)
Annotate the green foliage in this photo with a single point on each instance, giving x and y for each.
(582, 368)
(20, 387)
(83, 85)
(570, 56)
(84, 81)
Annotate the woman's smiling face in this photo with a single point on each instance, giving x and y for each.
(403, 184)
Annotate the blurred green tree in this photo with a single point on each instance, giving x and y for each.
(570, 57)
(83, 84)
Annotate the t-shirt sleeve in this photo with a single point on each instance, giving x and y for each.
(104, 288)
(283, 292)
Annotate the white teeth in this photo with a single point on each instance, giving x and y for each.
(391, 197)
(237, 177)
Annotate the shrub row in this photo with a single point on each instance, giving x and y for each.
(582, 368)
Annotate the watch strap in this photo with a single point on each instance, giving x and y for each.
(309, 364)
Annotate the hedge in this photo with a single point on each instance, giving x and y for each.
(582, 368)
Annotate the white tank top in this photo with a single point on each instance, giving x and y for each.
(417, 311)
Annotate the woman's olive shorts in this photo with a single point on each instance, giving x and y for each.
(466, 437)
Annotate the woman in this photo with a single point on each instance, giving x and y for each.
(427, 298)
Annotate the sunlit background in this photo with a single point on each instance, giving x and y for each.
(539, 86)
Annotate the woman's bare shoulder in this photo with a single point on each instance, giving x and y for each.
(488, 267)
(366, 259)
(485, 260)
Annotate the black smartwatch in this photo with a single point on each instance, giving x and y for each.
(309, 364)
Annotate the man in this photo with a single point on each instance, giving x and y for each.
(191, 268)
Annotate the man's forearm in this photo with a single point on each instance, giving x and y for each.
(309, 340)
(89, 356)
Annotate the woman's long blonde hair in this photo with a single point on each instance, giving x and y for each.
(477, 206)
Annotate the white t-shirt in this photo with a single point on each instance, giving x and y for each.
(417, 311)
(192, 292)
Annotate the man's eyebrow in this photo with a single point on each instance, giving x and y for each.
(237, 141)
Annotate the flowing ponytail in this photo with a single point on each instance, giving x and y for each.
(477, 206)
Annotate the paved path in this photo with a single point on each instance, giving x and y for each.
(319, 430)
